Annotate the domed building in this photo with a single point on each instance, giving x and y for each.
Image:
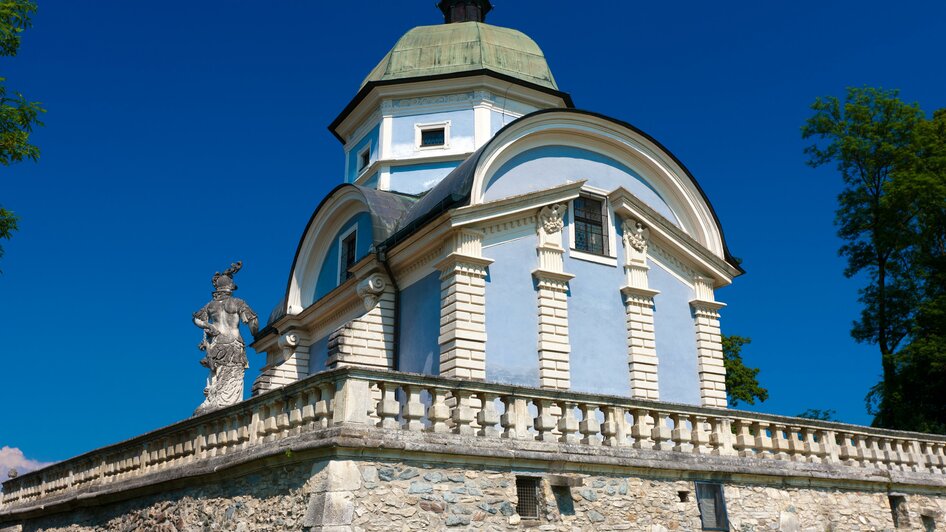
(503, 317)
(497, 233)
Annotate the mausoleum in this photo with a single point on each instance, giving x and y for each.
(505, 315)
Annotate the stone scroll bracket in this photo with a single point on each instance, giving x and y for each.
(639, 313)
(286, 364)
(709, 347)
(554, 347)
(462, 337)
(367, 341)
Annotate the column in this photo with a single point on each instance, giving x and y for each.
(463, 306)
(709, 346)
(552, 284)
(367, 341)
(639, 308)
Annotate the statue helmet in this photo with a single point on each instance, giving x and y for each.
(223, 282)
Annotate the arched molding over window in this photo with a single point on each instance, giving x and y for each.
(658, 168)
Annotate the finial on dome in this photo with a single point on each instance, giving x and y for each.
(464, 10)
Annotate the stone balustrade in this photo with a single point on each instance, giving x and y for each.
(391, 402)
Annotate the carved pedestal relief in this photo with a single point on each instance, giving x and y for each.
(463, 306)
(639, 307)
(709, 346)
(552, 285)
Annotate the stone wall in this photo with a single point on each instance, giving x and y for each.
(345, 495)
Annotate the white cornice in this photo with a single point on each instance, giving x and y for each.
(516, 204)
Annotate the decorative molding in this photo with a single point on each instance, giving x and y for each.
(634, 235)
(370, 289)
(551, 219)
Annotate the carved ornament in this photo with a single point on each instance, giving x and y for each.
(370, 289)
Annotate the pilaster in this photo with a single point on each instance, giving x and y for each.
(639, 317)
(552, 286)
(285, 365)
(463, 306)
(367, 341)
(709, 345)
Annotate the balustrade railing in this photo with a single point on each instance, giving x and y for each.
(393, 401)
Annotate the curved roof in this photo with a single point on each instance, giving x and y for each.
(463, 47)
(456, 188)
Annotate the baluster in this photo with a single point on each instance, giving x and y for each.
(544, 422)
(308, 407)
(282, 420)
(722, 437)
(589, 425)
(744, 439)
(661, 432)
(912, 457)
(936, 462)
(295, 415)
(463, 416)
(488, 417)
(892, 454)
(413, 410)
(865, 450)
(325, 407)
(779, 442)
(269, 423)
(439, 412)
(698, 436)
(680, 434)
(614, 428)
(763, 442)
(389, 407)
(568, 424)
(796, 446)
(641, 430)
(516, 419)
(848, 452)
(812, 445)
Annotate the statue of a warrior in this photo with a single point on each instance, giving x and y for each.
(226, 355)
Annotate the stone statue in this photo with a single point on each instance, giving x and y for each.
(226, 354)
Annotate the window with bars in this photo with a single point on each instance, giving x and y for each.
(712, 504)
(347, 256)
(591, 225)
(433, 137)
(527, 490)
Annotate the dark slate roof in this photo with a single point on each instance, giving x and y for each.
(387, 209)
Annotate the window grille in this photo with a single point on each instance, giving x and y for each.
(347, 252)
(712, 504)
(591, 226)
(433, 137)
(527, 490)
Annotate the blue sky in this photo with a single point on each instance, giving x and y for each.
(182, 136)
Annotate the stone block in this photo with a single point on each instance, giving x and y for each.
(329, 509)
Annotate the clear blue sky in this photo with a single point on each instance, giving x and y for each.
(184, 135)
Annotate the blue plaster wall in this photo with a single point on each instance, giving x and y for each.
(675, 330)
(403, 131)
(370, 138)
(420, 326)
(512, 319)
(548, 166)
(417, 178)
(597, 325)
(497, 120)
(328, 274)
(372, 182)
(318, 355)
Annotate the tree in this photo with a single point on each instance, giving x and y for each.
(885, 151)
(819, 414)
(18, 115)
(741, 382)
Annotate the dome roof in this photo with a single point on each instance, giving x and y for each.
(464, 47)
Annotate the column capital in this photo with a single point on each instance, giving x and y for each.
(702, 305)
(633, 292)
(459, 261)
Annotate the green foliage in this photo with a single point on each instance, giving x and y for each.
(819, 414)
(892, 218)
(8, 221)
(741, 382)
(18, 115)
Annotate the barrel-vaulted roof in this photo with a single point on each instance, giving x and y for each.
(464, 47)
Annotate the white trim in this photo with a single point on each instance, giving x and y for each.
(365, 151)
(419, 129)
(591, 257)
(341, 239)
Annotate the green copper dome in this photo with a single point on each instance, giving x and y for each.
(464, 47)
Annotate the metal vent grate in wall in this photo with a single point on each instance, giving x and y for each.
(527, 489)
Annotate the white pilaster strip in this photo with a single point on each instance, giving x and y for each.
(639, 308)
(709, 346)
(552, 281)
(463, 306)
